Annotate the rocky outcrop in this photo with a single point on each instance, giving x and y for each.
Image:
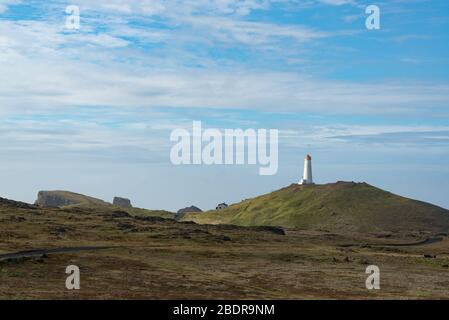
(183, 211)
(59, 198)
(52, 199)
(122, 202)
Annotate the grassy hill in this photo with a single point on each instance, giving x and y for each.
(341, 206)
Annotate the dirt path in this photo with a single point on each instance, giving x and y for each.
(419, 243)
(409, 244)
(40, 252)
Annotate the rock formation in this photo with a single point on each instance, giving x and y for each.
(51, 199)
(122, 202)
(183, 211)
(60, 198)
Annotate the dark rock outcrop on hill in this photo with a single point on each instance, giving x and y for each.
(122, 202)
(183, 211)
(60, 198)
(120, 214)
(49, 199)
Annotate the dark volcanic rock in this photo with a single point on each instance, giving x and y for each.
(154, 219)
(270, 229)
(120, 214)
(122, 202)
(275, 230)
(126, 226)
(50, 199)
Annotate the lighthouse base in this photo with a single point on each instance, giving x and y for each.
(305, 181)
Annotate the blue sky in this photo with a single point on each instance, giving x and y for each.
(91, 110)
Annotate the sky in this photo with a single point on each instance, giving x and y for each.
(91, 110)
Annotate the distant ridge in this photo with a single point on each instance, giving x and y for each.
(67, 200)
(60, 198)
(341, 206)
(15, 204)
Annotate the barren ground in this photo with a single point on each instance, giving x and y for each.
(164, 259)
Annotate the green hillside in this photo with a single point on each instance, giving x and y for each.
(341, 206)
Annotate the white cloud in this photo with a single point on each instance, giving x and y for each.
(175, 7)
(35, 85)
(251, 33)
(44, 67)
(338, 2)
(47, 67)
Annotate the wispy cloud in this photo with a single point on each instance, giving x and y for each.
(338, 2)
(404, 138)
(156, 63)
(35, 85)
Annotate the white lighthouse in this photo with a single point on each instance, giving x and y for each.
(307, 177)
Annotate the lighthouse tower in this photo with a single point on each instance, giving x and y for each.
(307, 177)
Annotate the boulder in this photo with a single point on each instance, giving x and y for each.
(122, 202)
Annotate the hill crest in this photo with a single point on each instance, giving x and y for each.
(341, 206)
(60, 198)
